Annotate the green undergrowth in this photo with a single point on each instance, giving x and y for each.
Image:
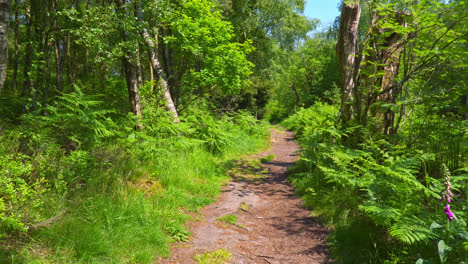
(83, 185)
(230, 219)
(268, 158)
(219, 256)
(382, 196)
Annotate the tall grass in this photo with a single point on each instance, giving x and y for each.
(115, 194)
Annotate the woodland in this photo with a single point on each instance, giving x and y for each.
(120, 118)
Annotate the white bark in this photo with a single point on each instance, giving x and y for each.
(160, 72)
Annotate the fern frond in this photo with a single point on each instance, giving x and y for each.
(381, 214)
(412, 230)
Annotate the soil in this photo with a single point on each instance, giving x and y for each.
(272, 225)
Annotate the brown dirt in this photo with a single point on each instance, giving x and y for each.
(272, 224)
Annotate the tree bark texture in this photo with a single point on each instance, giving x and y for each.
(347, 49)
(160, 72)
(131, 76)
(381, 65)
(390, 58)
(4, 22)
(14, 81)
(131, 72)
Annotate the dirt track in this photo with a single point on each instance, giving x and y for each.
(272, 226)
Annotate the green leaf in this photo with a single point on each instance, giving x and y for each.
(463, 234)
(435, 225)
(423, 261)
(443, 249)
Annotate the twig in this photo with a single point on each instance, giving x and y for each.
(45, 223)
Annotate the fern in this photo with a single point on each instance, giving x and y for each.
(412, 230)
(389, 187)
(381, 215)
(77, 118)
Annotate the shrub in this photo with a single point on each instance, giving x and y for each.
(385, 186)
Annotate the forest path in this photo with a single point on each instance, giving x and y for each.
(257, 217)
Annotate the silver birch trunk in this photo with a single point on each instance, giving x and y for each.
(160, 72)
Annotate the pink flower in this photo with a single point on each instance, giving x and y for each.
(447, 194)
(448, 212)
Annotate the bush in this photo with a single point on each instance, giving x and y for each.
(379, 187)
(100, 184)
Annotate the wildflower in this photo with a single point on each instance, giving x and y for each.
(447, 194)
(448, 212)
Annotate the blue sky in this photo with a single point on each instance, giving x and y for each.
(325, 10)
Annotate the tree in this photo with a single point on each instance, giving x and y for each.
(4, 24)
(128, 59)
(417, 36)
(156, 66)
(347, 50)
(201, 58)
(276, 28)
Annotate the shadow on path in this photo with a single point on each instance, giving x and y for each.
(272, 224)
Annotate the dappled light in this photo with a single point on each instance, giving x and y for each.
(233, 131)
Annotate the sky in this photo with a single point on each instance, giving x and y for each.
(325, 10)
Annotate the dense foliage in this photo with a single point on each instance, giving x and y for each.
(120, 117)
(91, 160)
(85, 182)
(383, 199)
(385, 165)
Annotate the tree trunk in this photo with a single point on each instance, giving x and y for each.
(4, 22)
(131, 76)
(59, 63)
(39, 12)
(59, 51)
(466, 105)
(138, 66)
(151, 76)
(86, 66)
(160, 72)
(71, 59)
(347, 49)
(390, 57)
(298, 99)
(46, 71)
(130, 70)
(167, 61)
(14, 81)
(28, 57)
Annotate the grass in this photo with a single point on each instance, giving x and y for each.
(132, 208)
(219, 256)
(230, 219)
(244, 207)
(268, 158)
